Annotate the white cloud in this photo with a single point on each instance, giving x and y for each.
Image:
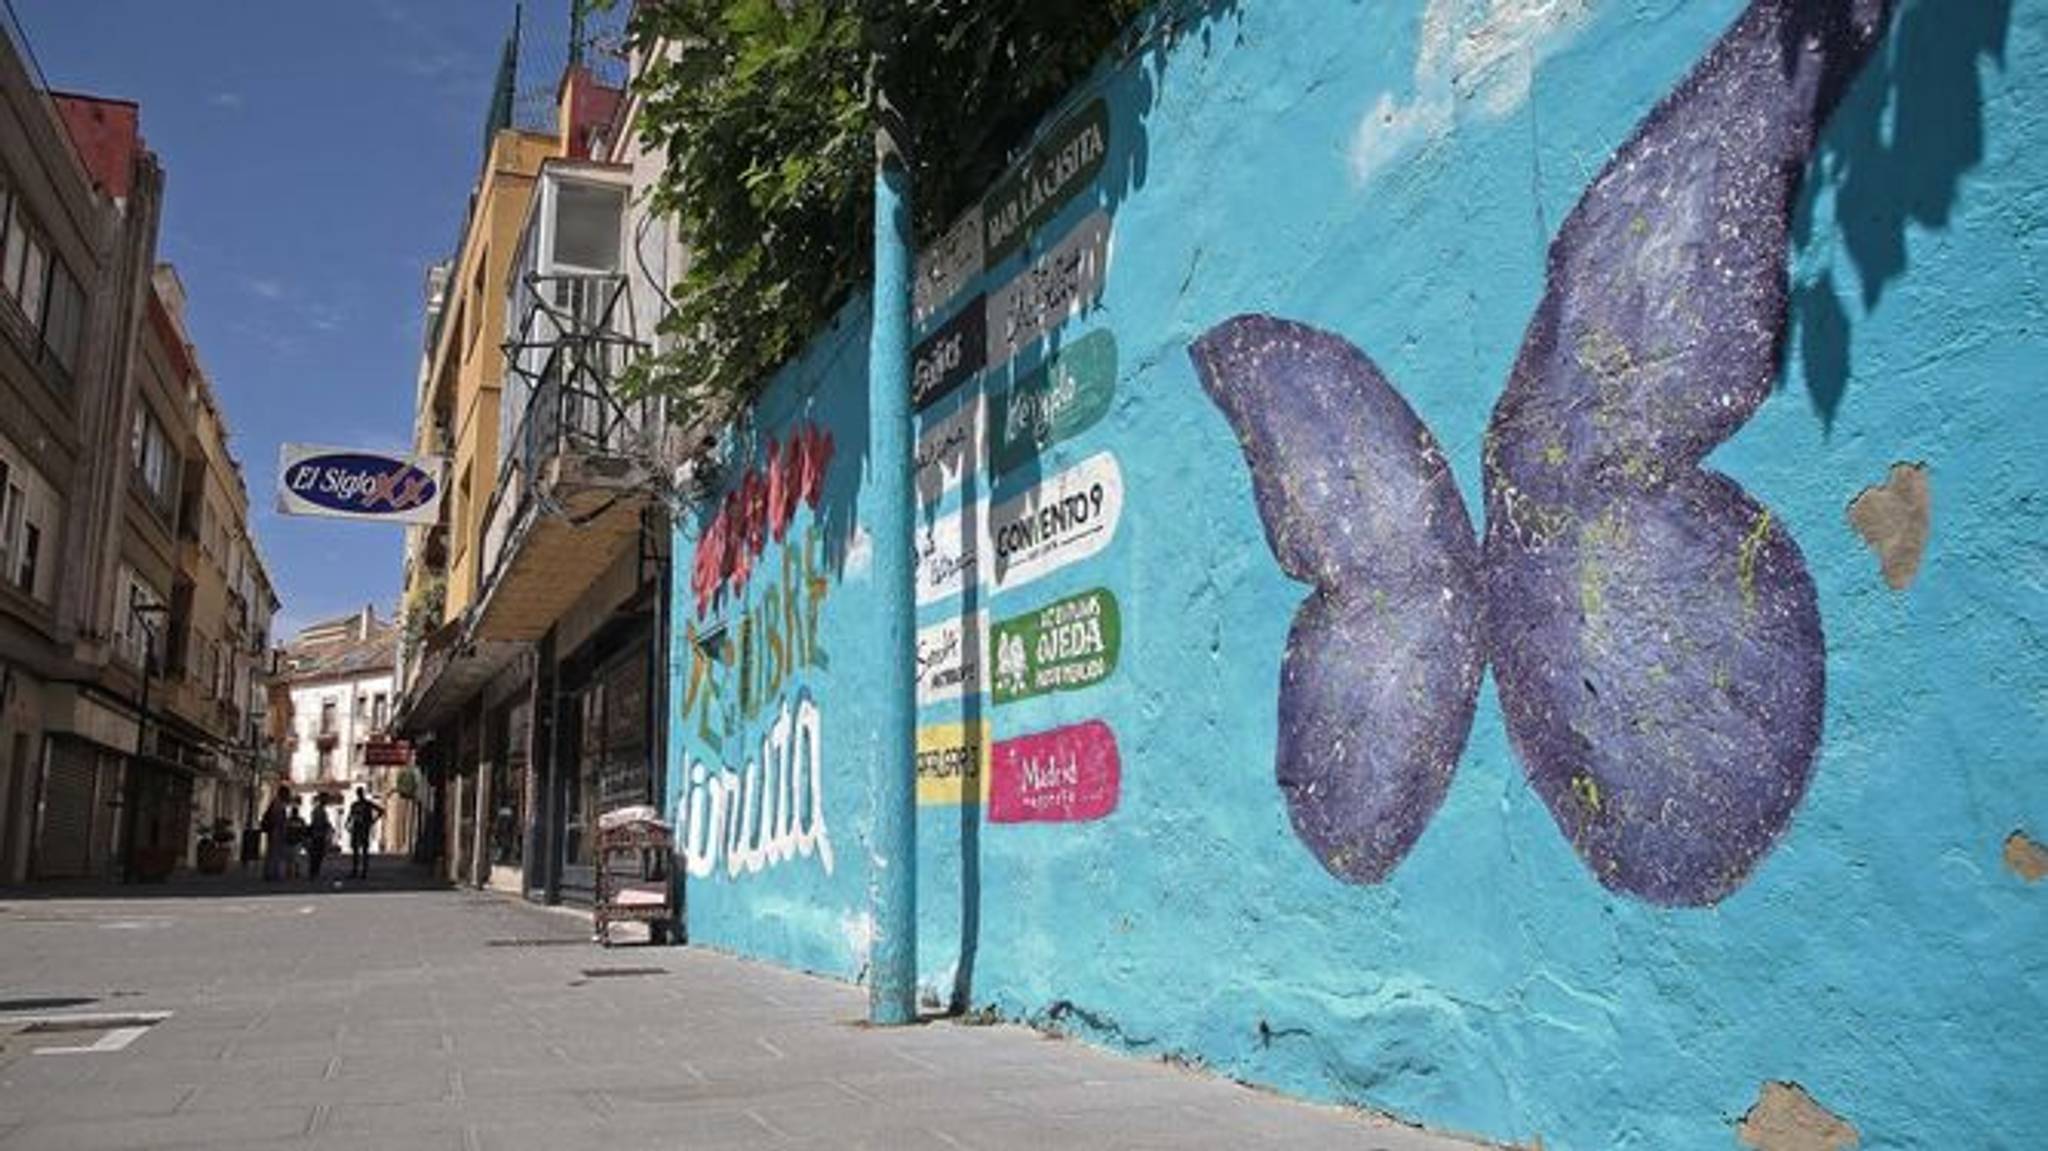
(266, 288)
(225, 99)
(1475, 55)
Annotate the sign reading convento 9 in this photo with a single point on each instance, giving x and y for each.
(359, 485)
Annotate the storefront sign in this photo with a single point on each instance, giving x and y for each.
(387, 753)
(950, 356)
(1050, 290)
(948, 451)
(1066, 518)
(1061, 165)
(952, 764)
(1057, 402)
(948, 554)
(949, 659)
(345, 484)
(1069, 775)
(1065, 646)
(944, 269)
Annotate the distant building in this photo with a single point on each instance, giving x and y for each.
(333, 691)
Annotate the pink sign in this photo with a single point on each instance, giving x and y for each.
(1068, 775)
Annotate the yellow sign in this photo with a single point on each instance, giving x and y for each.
(952, 763)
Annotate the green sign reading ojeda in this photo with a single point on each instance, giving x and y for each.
(1057, 402)
(1064, 646)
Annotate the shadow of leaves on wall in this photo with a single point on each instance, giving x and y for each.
(1895, 157)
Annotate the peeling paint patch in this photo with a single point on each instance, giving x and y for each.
(1892, 518)
(2026, 858)
(1786, 1118)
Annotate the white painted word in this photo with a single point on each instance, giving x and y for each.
(771, 812)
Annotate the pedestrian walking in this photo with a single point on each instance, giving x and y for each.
(319, 837)
(277, 835)
(295, 838)
(362, 815)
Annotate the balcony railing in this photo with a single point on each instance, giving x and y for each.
(574, 339)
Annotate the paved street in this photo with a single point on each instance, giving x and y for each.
(234, 1016)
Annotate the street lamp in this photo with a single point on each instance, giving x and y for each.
(139, 615)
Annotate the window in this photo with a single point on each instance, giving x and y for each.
(378, 712)
(35, 279)
(66, 321)
(28, 506)
(327, 716)
(12, 258)
(472, 309)
(31, 547)
(587, 222)
(326, 761)
(10, 507)
(140, 625)
(155, 463)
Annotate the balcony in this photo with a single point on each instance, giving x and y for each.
(576, 467)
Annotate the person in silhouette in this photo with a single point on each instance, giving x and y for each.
(362, 816)
(319, 837)
(277, 835)
(295, 838)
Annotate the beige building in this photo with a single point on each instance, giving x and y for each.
(221, 604)
(106, 757)
(536, 695)
(334, 686)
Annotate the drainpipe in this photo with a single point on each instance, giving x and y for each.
(892, 969)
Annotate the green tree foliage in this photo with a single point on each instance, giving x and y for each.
(761, 109)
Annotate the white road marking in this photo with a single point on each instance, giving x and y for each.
(113, 1040)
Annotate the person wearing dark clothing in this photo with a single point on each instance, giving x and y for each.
(362, 816)
(319, 837)
(295, 839)
(277, 835)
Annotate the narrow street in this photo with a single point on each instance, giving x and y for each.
(379, 1015)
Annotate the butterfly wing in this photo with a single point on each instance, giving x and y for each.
(1655, 635)
(1384, 659)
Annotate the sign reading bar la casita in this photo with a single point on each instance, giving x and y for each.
(357, 485)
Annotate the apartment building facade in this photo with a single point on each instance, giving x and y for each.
(334, 686)
(102, 767)
(536, 697)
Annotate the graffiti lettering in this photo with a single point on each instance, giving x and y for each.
(771, 812)
(774, 636)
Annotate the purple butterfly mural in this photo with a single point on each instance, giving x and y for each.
(1655, 637)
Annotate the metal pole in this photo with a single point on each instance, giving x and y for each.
(892, 992)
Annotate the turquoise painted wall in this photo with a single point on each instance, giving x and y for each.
(1846, 914)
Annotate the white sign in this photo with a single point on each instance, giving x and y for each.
(948, 553)
(1060, 521)
(1049, 291)
(949, 659)
(344, 483)
(945, 267)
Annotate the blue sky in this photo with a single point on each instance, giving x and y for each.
(318, 157)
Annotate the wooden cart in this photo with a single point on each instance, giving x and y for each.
(634, 851)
